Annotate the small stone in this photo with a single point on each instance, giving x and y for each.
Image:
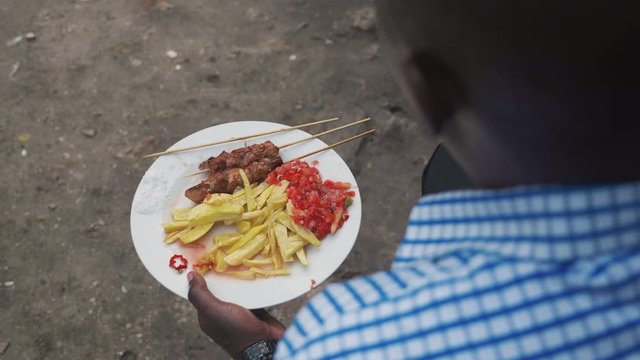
(30, 36)
(23, 152)
(123, 289)
(293, 57)
(89, 132)
(372, 51)
(253, 14)
(136, 62)
(95, 226)
(52, 206)
(364, 19)
(3, 347)
(328, 41)
(178, 67)
(126, 355)
(172, 54)
(9, 283)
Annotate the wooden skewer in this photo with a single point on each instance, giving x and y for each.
(303, 140)
(325, 133)
(334, 145)
(239, 138)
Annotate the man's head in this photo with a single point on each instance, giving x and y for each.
(523, 91)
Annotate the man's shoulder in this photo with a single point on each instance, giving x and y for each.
(467, 304)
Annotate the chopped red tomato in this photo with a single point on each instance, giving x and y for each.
(319, 206)
(178, 262)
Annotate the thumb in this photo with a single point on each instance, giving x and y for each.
(199, 295)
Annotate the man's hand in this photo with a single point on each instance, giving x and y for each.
(232, 327)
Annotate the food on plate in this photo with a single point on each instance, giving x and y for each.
(271, 221)
(224, 176)
(320, 206)
(178, 262)
(228, 180)
(240, 158)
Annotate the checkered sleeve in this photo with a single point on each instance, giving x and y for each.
(499, 309)
(548, 272)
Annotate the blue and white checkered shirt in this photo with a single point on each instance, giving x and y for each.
(530, 272)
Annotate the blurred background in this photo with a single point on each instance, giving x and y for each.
(88, 86)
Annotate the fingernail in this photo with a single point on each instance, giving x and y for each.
(190, 276)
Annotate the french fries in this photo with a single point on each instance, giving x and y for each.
(248, 192)
(195, 233)
(251, 249)
(264, 238)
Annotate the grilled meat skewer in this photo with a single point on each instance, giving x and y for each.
(240, 158)
(226, 181)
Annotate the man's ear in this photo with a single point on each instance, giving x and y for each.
(433, 89)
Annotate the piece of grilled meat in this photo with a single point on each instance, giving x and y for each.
(240, 158)
(227, 180)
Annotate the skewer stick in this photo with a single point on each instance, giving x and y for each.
(307, 139)
(325, 133)
(239, 138)
(334, 145)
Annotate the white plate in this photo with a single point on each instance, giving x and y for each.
(162, 188)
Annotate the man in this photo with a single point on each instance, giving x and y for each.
(536, 100)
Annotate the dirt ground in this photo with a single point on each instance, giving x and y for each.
(96, 89)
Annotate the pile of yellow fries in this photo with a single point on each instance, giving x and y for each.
(266, 238)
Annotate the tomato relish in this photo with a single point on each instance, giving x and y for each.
(319, 206)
